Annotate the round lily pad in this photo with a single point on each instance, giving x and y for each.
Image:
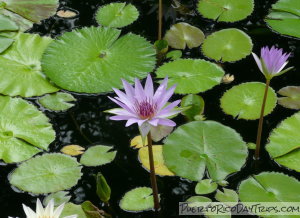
(98, 155)
(284, 17)
(99, 59)
(244, 101)
(196, 106)
(227, 45)
(284, 143)
(292, 97)
(191, 75)
(183, 34)
(226, 10)
(20, 67)
(138, 199)
(58, 101)
(228, 197)
(73, 209)
(205, 186)
(47, 173)
(159, 165)
(117, 15)
(5, 43)
(23, 129)
(6, 24)
(198, 145)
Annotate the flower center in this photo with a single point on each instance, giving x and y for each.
(145, 109)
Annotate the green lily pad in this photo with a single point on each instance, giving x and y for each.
(138, 199)
(227, 45)
(174, 55)
(191, 75)
(98, 155)
(196, 104)
(99, 59)
(6, 24)
(73, 209)
(205, 186)
(46, 173)
(182, 34)
(284, 17)
(284, 143)
(23, 24)
(20, 67)
(58, 101)
(226, 196)
(58, 197)
(270, 187)
(195, 200)
(244, 101)
(23, 129)
(292, 99)
(226, 10)
(117, 15)
(197, 145)
(5, 43)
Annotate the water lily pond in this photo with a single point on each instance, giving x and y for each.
(127, 108)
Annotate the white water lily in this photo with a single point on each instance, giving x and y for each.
(48, 212)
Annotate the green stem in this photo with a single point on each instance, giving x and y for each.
(160, 12)
(261, 119)
(152, 174)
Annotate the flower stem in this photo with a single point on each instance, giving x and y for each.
(152, 174)
(160, 12)
(261, 119)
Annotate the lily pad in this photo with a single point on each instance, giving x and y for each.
(205, 186)
(22, 23)
(5, 43)
(227, 45)
(292, 99)
(73, 209)
(198, 199)
(58, 101)
(284, 143)
(174, 55)
(99, 59)
(23, 129)
(182, 34)
(138, 199)
(159, 165)
(228, 197)
(225, 10)
(117, 15)
(72, 150)
(191, 75)
(137, 142)
(98, 155)
(47, 173)
(244, 101)
(58, 197)
(6, 24)
(197, 145)
(20, 67)
(196, 104)
(284, 17)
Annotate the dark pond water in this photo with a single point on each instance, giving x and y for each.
(87, 125)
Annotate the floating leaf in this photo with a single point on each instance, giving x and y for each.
(226, 10)
(196, 104)
(98, 155)
(20, 67)
(58, 197)
(205, 186)
(227, 45)
(6, 24)
(58, 101)
(72, 209)
(67, 13)
(137, 142)
(191, 75)
(73, 150)
(226, 196)
(91, 211)
(103, 190)
(161, 46)
(244, 101)
(23, 129)
(251, 145)
(117, 15)
(173, 55)
(22, 23)
(99, 59)
(197, 145)
(47, 173)
(284, 143)
(138, 199)
(159, 163)
(183, 34)
(284, 17)
(292, 99)
(5, 43)
(159, 132)
(198, 199)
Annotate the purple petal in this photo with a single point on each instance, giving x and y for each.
(131, 121)
(154, 122)
(124, 98)
(139, 91)
(149, 87)
(166, 122)
(120, 111)
(168, 108)
(257, 60)
(121, 117)
(160, 90)
(122, 105)
(165, 97)
(128, 89)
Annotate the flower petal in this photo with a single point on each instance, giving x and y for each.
(128, 89)
(258, 62)
(131, 121)
(39, 208)
(149, 87)
(169, 108)
(166, 122)
(122, 105)
(160, 90)
(58, 211)
(144, 129)
(154, 122)
(28, 211)
(121, 117)
(165, 97)
(139, 91)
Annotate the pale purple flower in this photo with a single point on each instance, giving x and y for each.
(272, 61)
(143, 106)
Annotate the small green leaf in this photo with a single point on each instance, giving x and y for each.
(251, 145)
(227, 45)
(196, 104)
(117, 15)
(103, 190)
(244, 101)
(5, 43)
(183, 34)
(226, 196)
(73, 209)
(161, 46)
(173, 55)
(292, 97)
(57, 102)
(138, 199)
(58, 197)
(198, 199)
(91, 211)
(98, 155)
(6, 24)
(205, 186)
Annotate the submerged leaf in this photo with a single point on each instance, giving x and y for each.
(98, 155)
(57, 102)
(47, 173)
(73, 150)
(292, 99)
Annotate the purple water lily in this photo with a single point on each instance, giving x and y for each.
(272, 61)
(143, 106)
